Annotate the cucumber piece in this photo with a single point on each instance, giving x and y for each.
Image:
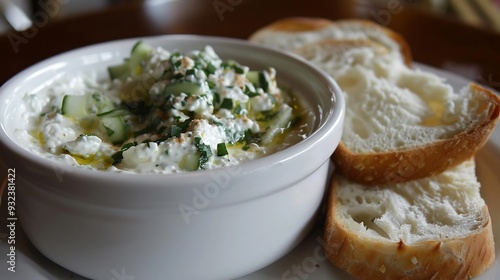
(120, 71)
(190, 162)
(118, 112)
(140, 52)
(253, 77)
(189, 88)
(278, 124)
(101, 103)
(74, 106)
(116, 129)
(259, 79)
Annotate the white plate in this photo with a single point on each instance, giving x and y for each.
(306, 261)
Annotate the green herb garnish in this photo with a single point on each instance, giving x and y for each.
(227, 103)
(221, 150)
(204, 150)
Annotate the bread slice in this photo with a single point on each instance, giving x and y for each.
(433, 228)
(293, 32)
(400, 124)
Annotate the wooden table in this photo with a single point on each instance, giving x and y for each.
(436, 41)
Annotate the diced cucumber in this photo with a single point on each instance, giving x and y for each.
(190, 162)
(74, 106)
(278, 124)
(189, 88)
(101, 102)
(80, 106)
(140, 52)
(120, 71)
(259, 79)
(253, 77)
(118, 112)
(116, 129)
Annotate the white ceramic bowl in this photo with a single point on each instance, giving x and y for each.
(215, 224)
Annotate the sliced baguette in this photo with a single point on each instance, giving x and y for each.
(433, 228)
(294, 32)
(401, 124)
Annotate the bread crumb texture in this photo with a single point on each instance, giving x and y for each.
(433, 228)
(444, 206)
(391, 106)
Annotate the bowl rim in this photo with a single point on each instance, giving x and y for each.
(334, 116)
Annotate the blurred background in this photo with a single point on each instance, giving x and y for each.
(18, 14)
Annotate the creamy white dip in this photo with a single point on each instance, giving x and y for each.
(164, 112)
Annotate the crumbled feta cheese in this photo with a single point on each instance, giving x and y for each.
(168, 114)
(262, 102)
(84, 145)
(56, 131)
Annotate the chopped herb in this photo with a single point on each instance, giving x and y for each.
(264, 80)
(238, 109)
(216, 98)
(249, 92)
(118, 156)
(205, 151)
(174, 62)
(109, 131)
(175, 130)
(127, 146)
(250, 138)
(190, 72)
(238, 69)
(227, 103)
(210, 69)
(221, 150)
(178, 76)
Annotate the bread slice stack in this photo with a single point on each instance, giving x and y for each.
(404, 202)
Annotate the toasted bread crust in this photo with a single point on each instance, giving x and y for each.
(294, 24)
(427, 160)
(365, 258)
(309, 24)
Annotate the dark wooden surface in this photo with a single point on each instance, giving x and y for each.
(436, 41)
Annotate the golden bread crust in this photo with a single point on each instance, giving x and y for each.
(295, 24)
(310, 24)
(423, 161)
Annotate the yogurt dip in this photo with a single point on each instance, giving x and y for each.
(165, 111)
